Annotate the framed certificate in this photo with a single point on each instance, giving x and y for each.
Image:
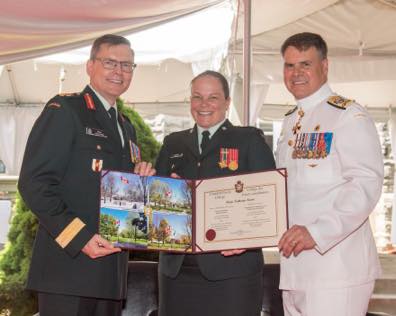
(193, 216)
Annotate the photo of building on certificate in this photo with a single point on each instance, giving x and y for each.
(146, 212)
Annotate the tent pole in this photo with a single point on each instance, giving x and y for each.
(246, 62)
(13, 85)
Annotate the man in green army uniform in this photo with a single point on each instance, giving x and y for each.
(74, 270)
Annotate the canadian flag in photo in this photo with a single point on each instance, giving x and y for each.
(124, 180)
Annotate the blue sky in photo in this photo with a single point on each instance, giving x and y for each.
(174, 184)
(118, 214)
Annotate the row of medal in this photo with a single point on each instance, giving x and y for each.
(229, 158)
(312, 145)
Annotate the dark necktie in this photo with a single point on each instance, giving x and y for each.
(205, 140)
(113, 118)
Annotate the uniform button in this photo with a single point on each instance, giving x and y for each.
(198, 164)
(98, 147)
(290, 142)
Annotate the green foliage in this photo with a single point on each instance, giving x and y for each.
(14, 263)
(163, 231)
(108, 225)
(15, 258)
(148, 145)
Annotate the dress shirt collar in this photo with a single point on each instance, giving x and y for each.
(106, 104)
(314, 99)
(211, 130)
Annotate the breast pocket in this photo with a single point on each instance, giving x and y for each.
(318, 170)
(177, 164)
(93, 153)
(94, 145)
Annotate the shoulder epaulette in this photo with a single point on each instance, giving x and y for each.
(73, 94)
(291, 111)
(54, 105)
(339, 102)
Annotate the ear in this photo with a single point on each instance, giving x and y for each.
(325, 66)
(228, 102)
(89, 67)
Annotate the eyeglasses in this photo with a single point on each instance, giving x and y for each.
(112, 64)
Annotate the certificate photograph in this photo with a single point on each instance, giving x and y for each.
(146, 212)
(179, 215)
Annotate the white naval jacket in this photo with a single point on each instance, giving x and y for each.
(332, 196)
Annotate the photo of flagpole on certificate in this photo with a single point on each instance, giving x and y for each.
(146, 212)
(178, 215)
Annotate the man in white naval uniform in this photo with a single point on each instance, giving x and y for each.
(332, 153)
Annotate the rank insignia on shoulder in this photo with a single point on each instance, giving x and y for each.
(54, 105)
(339, 102)
(229, 158)
(291, 111)
(97, 165)
(69, 94)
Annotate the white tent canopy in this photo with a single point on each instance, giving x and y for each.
(35, 28)
(360, 34)
(362, 49)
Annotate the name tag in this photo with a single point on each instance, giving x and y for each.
(95, 132)
(176, 156)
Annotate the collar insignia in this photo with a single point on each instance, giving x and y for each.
(89, 102)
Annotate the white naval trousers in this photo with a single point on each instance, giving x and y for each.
(349, 301)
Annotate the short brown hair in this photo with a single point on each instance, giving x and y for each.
(111, 40)
(217, 75)
(304, 41)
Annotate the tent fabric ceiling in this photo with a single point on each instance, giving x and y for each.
(270, 15)
(358, 51)
(362, 50)
(350, 28)
(35, 28)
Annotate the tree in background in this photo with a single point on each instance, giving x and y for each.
(15, 258)
(14, 263)
(108, 225)
(147, 143)
(164, 230)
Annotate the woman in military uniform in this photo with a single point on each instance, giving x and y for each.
(227, 283)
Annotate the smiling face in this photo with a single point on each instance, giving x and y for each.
(110, 84)
(208, 102)
(304, 72)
